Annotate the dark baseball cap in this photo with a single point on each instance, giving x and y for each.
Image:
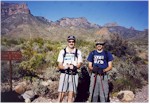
(71, 37)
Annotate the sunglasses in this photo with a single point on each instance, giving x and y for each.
(71, 41)
(100, 44)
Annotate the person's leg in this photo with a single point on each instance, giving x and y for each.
(104, 88)
(60, 97)
(70, 96)
(73, 83)
(62, 86)
(70, 89)
(93, 89)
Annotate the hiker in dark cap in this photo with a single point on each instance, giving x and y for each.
(100, 62)
(69, 60)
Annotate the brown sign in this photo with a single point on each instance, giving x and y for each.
(11, 55)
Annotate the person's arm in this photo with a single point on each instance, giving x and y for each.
(90, 59)
(79, 65)
(110, 60)
(90, 66)
(60, 61)
(80, 60)
(61, 67)
(109, 67)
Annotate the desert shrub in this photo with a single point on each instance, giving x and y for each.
(39, 41)
(11, 42)
(122, 84)
(127, 83)
(41, 55)
(86, 47)
(51, 73)
(38, 53)
(5, 71)
(143, 71)
(128, 75)
(120, 47)
(137, 60)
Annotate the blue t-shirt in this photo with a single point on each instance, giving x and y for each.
(100, 59)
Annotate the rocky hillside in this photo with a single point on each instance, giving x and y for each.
(9, 9)
(23, 25)
(18, 22)
(75, 22)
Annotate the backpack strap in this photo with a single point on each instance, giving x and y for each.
(76, 54)
(64, 54)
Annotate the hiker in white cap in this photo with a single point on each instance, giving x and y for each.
(69, 60)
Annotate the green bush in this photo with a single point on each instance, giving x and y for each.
(40, 57)
(127, 83)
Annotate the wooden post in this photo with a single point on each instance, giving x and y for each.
(10, 75)
(10, 56)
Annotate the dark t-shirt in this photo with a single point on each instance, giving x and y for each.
(100, 59)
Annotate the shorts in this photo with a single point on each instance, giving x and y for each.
(69, 83)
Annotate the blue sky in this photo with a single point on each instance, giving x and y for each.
(125, 13)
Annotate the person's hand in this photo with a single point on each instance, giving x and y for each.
(74, 68)
(95, 69)
(100, 71)
(66, 67)
(71, 66)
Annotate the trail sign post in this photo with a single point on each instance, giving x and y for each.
(9, 56)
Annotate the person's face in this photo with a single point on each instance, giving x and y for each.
(99, 46)
(71, 43)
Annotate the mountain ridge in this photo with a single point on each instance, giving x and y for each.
(23, 24)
